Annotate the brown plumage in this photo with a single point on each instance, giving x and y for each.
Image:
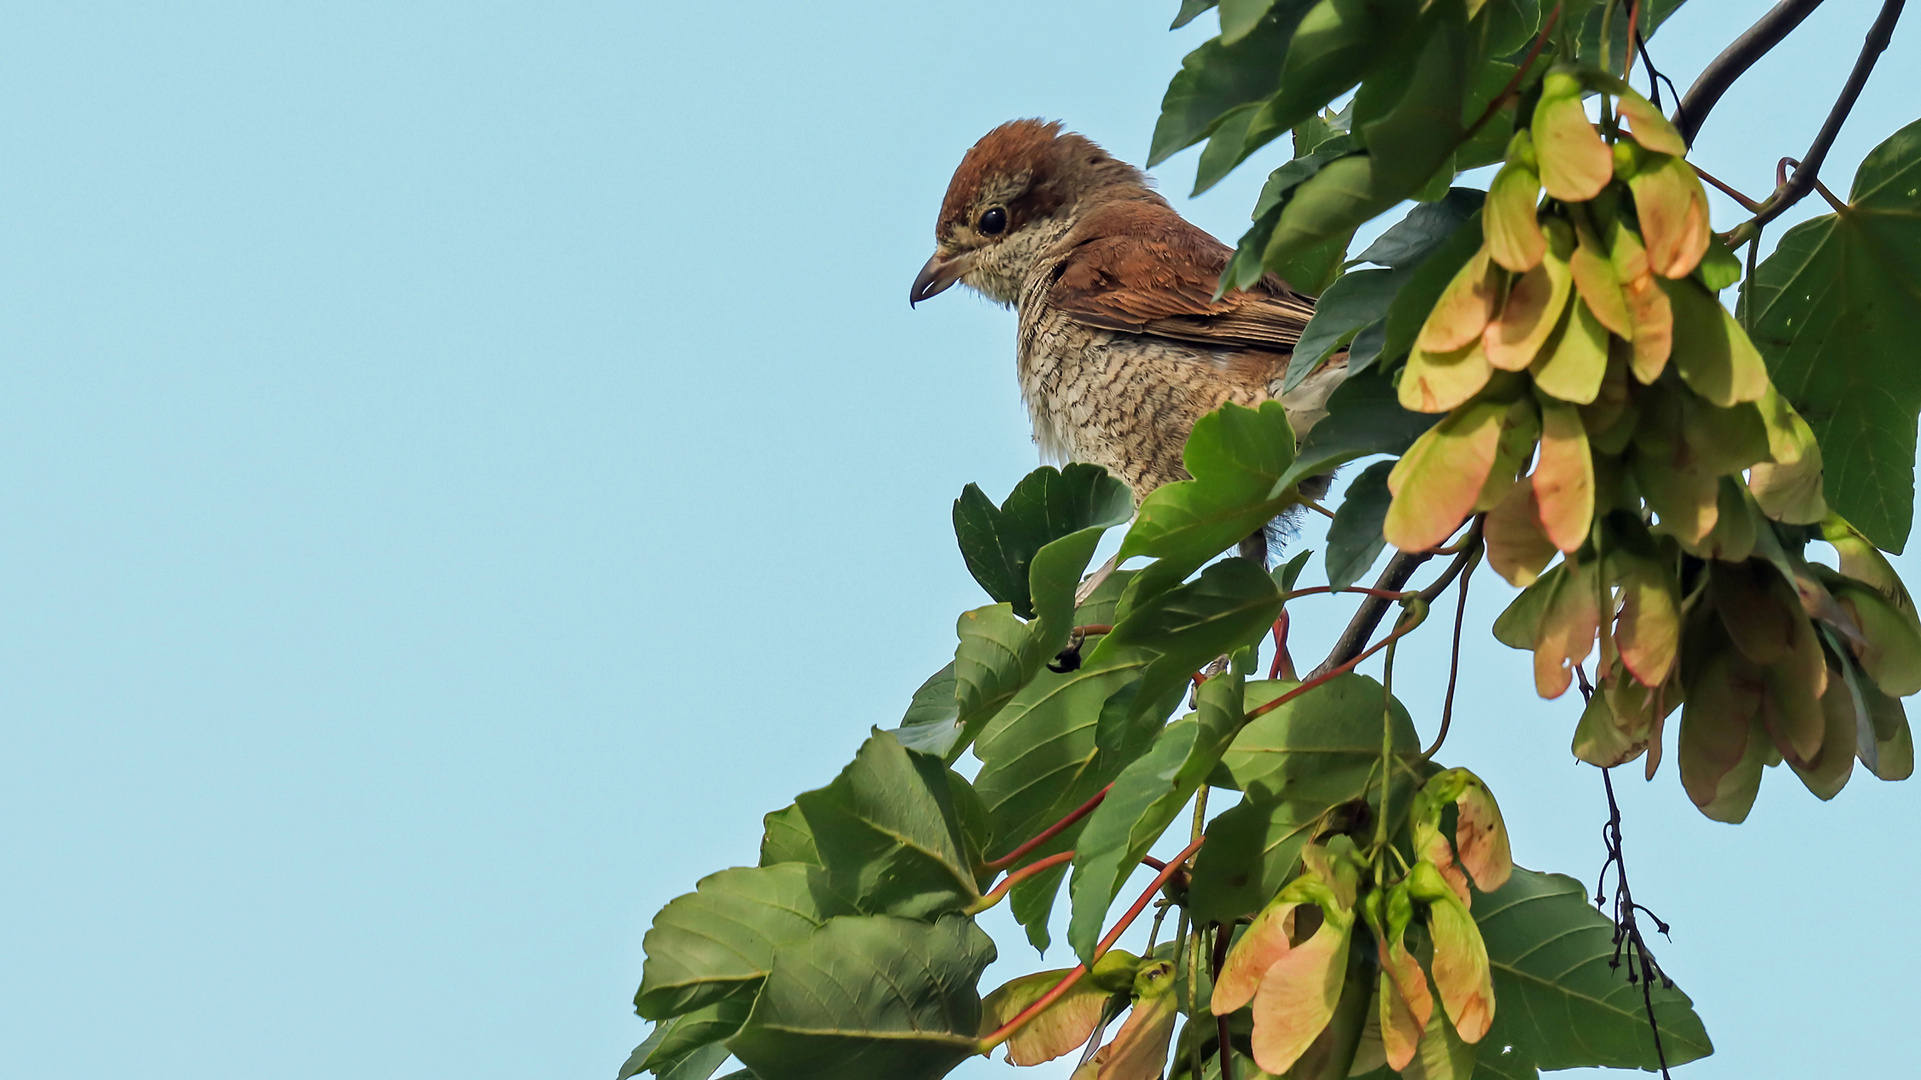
(1121, 343)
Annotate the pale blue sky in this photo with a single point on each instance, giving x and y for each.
(462, 463)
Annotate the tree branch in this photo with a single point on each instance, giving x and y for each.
(1807, 171)
(1734, 62)
(1805, 174)
(1368, 616)
(1400, 568)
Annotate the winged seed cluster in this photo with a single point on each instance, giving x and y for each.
(1673, 482)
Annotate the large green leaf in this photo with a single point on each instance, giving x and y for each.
(1047, 505)
(1420, 124)
(1237, 457)
(1356, 307)
(785, 837)
(1559, 1002)
(1249, 263)
(1358, 299)
(1336, 43)
(1065, 736)
(998, 654)
(1296, 764)
(869, 997)
(721, 938)
(1836, 311)
(932, 722)
(1230, 605)
(1189, 10)
(889, 833)
(1653, 14)
(687, 1046)
(1415, 238)
(1217, 78)
(1146, 798)
(1354, 538)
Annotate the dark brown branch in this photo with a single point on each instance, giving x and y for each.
(1453, 670)
(1399, 569)
(1802, 182)
(1808, 171)
(1735, 60)
(1368, 616)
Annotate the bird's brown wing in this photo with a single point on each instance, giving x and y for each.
(1140, 267)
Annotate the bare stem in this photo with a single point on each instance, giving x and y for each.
(1406, 627)
(1808, 172)
(1051, 831)
(1006, 1031)
(1453, 670)
(993, 895)
(1735, 60)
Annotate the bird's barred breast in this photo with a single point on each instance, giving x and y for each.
(1124, 401)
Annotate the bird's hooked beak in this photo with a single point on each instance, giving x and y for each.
(940, 272)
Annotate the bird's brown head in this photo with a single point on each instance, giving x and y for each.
(1017, 192)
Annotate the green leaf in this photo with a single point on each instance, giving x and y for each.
(1336, 44)
(1416, 237)
(1297, 765)
(1653, 14)
(873, 998)
(1836, 311)
(1489, 144)
(931, 724)
(1047, 505)
(1354, 537)
(1039, 757)
(1232, 604)
(1359, 298)
(1240, 17)
(998, 654)
(785, 838)
(1065, 736)
(720, 938)
(1146, 798)
(1560, 1004)
(1189, 10)
(678, 1052)
(889, 834)
(1364, 417)
(1031, 900)
(1417, 136)
(1247, 265)
(1237, 457)
(1309, 747)
(1216, 78)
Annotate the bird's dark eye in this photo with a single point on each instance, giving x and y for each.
(993, 222)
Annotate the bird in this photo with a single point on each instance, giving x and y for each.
(1121, 342)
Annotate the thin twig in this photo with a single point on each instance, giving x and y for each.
(1502, 99)
(1007, 1030)
(1051, 831)
(1734, 62)
(1221, 936)
(1627, 930)
(1283, 666)
(1801, 184)
(1402, 630)
(1368, 616)
(1453, 671)
(1727, 189)
(1399, 569)
(993, 896)
(1318, 590)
